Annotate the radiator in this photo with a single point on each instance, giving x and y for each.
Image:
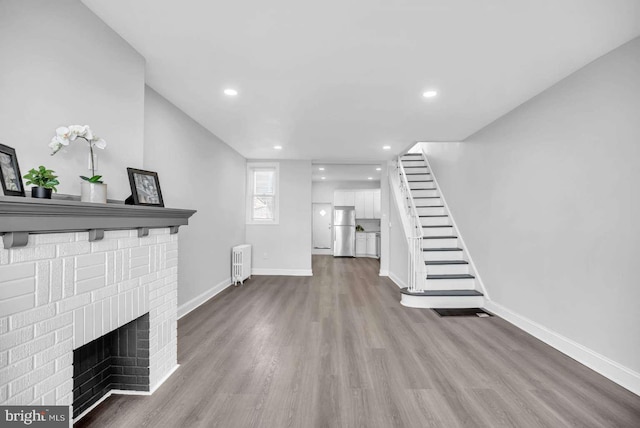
(240, 263)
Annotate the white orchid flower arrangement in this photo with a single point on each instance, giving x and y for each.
(64, 135)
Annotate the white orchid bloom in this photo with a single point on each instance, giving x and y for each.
(63, 132)
(76, 131)
(55, 145)
(100, 143)
(88, 134)
(62, 140)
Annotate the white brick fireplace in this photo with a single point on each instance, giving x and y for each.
(62, 290)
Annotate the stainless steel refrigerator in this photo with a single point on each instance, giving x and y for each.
(344, 231)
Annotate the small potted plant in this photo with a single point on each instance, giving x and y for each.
(43, 181)
(92, 188)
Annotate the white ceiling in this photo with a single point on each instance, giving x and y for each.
(337, 80)
(345, 172)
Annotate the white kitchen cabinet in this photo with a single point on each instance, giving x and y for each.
(376, 203)
(368, 204)
(372, 245)
(361, 244)
(344, 198)
(359, 199)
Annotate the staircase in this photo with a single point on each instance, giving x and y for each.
(440, 275)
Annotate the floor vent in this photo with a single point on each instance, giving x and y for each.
(463, 312)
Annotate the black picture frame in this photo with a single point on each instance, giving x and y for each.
(10, 175)
(145, 188)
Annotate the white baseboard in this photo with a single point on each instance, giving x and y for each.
(187, 307)
(161, 381)
(125, 392)
(608, 368)
(397, 280)
(284, 272)
(322, 251)
(384, 272)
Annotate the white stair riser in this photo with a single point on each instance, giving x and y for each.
(423, 193)
(434, 221)
(432, 211)
(415, 177)
(442, 301)
(415, 185)
(451, 284)
(447, 269)
(407, 163)
(421, 170)
(440, 243)
(437, 231)
(427, 202)
(442, 255)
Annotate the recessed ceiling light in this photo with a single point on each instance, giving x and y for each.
(386, 147)
(277, 147)
(369, 178)
(321, 168)
(378, 169)
(429, 94)
(323, 178)
(230, 92)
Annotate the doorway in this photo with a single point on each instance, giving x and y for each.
(322, 214)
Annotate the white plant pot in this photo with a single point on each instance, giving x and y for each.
(93, 192)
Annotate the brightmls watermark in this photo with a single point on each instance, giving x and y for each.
(35, 416)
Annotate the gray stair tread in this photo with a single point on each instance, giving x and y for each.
(415, 166)
(440, 225)
(446, 262)
(451, 276)
(439, 237)
(437, 215)
(419, 181)
(412, 154)
(442, 249)
(418, 173)
(443, 293)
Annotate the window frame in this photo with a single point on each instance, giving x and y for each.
(252, 167)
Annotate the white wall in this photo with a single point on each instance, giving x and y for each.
(398, 248)
(322, 191)
(547, 200)
(63, 66)
(197, 171)
(385, 230)
(285, 248)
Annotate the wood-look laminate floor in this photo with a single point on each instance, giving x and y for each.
(338, 350)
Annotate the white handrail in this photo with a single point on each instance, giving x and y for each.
(416, 272)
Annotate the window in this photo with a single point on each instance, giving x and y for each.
(262, 193)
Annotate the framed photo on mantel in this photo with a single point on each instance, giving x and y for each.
(10, 172)
(145, 188)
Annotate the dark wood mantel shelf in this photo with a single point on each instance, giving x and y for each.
(21, 216)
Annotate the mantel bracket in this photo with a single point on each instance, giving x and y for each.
(143, 231)
(96, 234)
(15, 239)
(173, 229)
